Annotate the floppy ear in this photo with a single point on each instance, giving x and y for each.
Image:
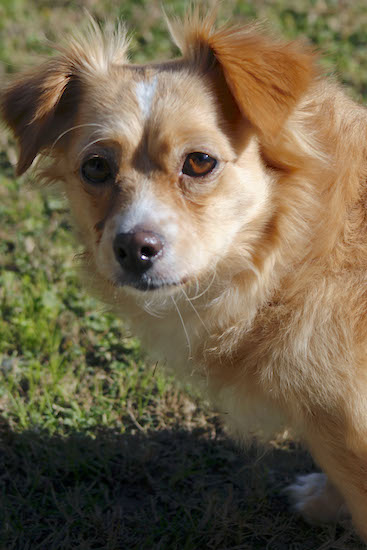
(38, 106)
(265, 77)
(42, 104)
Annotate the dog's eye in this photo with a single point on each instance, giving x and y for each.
(198, 164)
(96, 170)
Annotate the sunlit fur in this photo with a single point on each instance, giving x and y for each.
(266, 258)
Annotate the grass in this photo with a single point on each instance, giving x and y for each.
(98, 448)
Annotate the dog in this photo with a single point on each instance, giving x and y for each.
(221, 198)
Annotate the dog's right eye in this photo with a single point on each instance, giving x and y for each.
(97, 170)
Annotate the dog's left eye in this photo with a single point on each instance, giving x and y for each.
(198, 164)
(97, 170)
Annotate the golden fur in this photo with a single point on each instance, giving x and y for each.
(263, 295)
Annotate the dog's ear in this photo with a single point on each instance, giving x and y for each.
(266, 78)
(38, 106)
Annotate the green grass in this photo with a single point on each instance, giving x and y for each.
(99, 449)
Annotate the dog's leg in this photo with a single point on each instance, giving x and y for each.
(342, 453)
(316, 499)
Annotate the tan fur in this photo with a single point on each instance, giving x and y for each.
(264, 295)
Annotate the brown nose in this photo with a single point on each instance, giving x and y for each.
(137, 251)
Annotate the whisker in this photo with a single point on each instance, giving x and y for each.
(183, 325)
(147, 308)
(90, 144)
(195, 311)
(71, 129)
(207, 288)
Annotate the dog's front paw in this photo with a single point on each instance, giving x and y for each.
(316, 499)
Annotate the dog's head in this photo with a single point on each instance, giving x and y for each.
(161, 162)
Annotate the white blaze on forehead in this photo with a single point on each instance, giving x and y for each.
(145, 91)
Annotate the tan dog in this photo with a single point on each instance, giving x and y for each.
(222, 202)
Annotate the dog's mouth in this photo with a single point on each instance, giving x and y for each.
(149, 283)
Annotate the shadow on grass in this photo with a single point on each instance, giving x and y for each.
(170, 489)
